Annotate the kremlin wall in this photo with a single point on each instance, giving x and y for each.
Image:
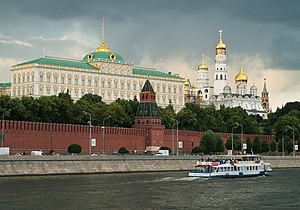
(27, 136)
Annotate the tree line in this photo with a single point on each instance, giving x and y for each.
(284, 123)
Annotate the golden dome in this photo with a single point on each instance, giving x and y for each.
(200, 94)
(202, 66)
(241, 77)
(221, 47)
(102, 47)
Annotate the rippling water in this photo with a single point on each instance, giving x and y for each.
(165, 190)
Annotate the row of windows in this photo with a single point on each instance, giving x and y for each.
(241, 168)
(221, 68)
(22, 78)
(95, 82)
(221, 77)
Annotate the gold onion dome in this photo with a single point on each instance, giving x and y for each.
(241, 77)
(221, 45)
(202, 66)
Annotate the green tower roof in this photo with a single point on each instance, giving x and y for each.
(147, 87)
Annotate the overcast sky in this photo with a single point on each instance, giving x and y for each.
(261, 36)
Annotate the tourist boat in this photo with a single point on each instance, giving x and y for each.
(231, 166)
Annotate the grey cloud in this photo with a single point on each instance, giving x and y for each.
(285, 52)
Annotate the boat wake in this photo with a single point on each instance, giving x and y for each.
(175, 179)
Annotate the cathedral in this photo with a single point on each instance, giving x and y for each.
(220, 94)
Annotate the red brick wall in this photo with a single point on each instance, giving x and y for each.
(28, 136)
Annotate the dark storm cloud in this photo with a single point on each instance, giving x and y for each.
(286, 13)
(267, 11)
(117, 9)
(285, 52)
(162, 28)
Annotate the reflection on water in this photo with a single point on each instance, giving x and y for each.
(164, 190)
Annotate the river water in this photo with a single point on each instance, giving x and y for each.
(163, 190)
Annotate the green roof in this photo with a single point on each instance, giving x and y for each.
(154, 73)
(148, 109)
(103, 56)
(59, 62)
(5, 84)
(147, 87)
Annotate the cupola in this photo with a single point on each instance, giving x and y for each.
(241, 77)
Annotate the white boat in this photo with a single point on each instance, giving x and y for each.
(231, 166)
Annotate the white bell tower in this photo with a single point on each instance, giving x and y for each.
(220, 75)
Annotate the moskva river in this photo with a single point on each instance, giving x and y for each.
(163, 190)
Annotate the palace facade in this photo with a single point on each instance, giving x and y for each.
(101, 72)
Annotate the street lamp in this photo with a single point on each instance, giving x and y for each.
(103, 130)
(172, 139)
(90, 124)
(51, 140)
(2, 135)
(289, 127)
(242, 132)
(282, 143)
(232, 136)
(176, 136)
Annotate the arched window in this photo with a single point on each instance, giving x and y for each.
(221, 76)
(216, 77)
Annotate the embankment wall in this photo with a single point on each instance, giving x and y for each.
(29, 165)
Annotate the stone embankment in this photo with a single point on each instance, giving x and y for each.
(52, 165)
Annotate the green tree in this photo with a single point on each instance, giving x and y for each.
(187, 119)
(130, 107)
(167, 115)
(256, 145)
(236, 143)
(265, 147)
(123, 150)
(285, 122)
(32, 107)
(119, 118)
(273, 146)
(17, 109)
(63, 109)
(74, 148)
(196, 150)
(211, 143)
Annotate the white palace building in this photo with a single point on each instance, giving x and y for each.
(102, 72)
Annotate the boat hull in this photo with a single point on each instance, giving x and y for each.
(227, 175)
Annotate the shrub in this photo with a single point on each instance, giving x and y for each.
(123, 150)
(196, 150)
(74, 148)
